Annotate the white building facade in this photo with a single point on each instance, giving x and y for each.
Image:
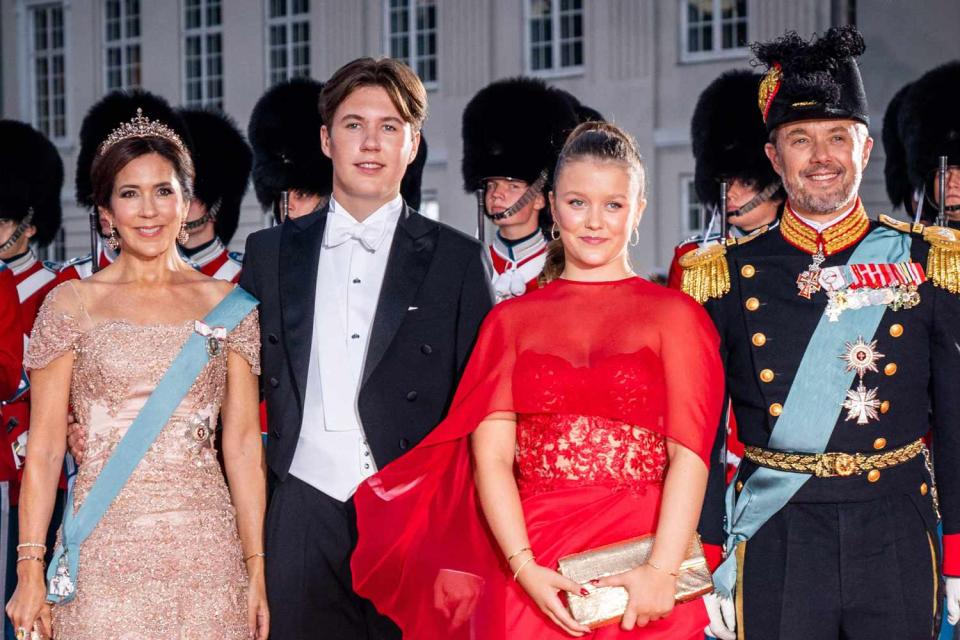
(641, 63)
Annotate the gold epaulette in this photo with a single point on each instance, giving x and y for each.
(901, 226)
(705, 272)
(943, 261)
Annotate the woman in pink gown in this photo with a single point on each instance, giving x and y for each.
(585, 417)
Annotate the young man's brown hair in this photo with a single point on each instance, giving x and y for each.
(399, 81)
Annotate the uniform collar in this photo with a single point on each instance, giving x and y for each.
(839, 234)
(210, 252)
(520, 250)
(22, 262)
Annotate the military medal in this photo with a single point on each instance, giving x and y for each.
(863, 285)
(61, 585)
(862, 403)
(214, 335)
(808, 282)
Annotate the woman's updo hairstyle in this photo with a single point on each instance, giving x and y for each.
(597, 141)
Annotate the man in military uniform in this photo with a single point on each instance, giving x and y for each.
(222, 160)
(926, 123)
(839, 339)
(31, 177)
(513, 131)
(728, 137)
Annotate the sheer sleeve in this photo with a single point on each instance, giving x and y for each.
(690, 352)
(437, 531)
(244, 340)
(57, 327)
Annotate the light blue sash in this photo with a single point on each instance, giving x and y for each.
(156, 412)
(811, 409)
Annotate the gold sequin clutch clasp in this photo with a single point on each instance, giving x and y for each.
(606, 605)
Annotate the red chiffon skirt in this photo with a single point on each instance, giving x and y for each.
(568, 521)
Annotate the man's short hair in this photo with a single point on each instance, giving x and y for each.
(402, 85)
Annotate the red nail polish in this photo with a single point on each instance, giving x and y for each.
(594, 582)
(584, 593)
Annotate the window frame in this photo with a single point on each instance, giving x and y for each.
(412, 32)
(687, 56)
(123, 43)
(287, 22)
(555, 43)
(28, 68)
(203, 32)
(688, 188)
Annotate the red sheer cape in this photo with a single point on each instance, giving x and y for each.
(424, 548)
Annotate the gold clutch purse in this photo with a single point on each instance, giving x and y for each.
(605, 605)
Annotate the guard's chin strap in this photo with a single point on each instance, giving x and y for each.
(209, 216)
(532, 192)
(758, 199)
(18, 232)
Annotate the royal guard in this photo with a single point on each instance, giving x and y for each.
(512, 132)
(728, 138)
(222, 161)
(838, 335)
(899, 189)
(291, 176)
(11, 337)
(82, 267)
(31, 178)
(929, 129)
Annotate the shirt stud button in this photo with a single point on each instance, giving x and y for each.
(356, 281)
(355, 336)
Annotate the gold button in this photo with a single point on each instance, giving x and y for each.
(924, 489)
(766, 375)
(896, 330)
(759, 339)
(879, 443)
(890, 369)
(884, 406)
(776, 409)
(874, 475)
(740, 486)
(752, 304)
(748, 271)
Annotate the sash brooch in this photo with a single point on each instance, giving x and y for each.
(215, 336)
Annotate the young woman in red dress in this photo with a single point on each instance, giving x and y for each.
(585, 417)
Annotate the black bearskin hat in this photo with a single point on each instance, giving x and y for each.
(728, 136)
(815, 80)
(110, 112)
(284, 132)
(410, 186)
(930, 123)
(31, 177)
(222, 160)
(899, 189)
(514, 128)
(584, 113)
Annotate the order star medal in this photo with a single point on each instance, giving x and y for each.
(808, 282)
(862, 403)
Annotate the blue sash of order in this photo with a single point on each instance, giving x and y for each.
(153, 417)
(810, 411)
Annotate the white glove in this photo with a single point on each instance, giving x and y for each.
(723, 616)
(953, 600)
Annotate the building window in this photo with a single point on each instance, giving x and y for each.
(48, 70)
(56, 251)
(288, 35)
(203, 44)
(555, 36)
(694, 213)
(412, 36)
(713, 28)
(122, 44)
(430, 204)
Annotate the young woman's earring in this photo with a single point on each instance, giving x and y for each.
(554, 231)
(184, 236)
(635, 237)
(113, 240)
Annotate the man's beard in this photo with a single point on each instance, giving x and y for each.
(823, 203)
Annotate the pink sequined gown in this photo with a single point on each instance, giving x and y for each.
(165, 561)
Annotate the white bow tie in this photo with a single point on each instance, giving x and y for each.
(368, 235)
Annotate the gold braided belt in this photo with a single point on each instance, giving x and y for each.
(831, 465)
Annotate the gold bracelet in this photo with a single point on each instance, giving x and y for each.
(24, 558)
(255, 555)
(675, 574)
(27, 545)
(522, 565)
(509, 558)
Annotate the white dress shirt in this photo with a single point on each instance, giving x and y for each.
(332, 454)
